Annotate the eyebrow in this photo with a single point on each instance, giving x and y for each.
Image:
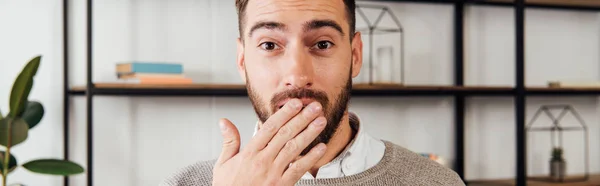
(316, 24)
(271, 25)
(308, 26)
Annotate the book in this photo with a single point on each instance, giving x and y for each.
(149, 67)
(132, 75)
(157, 80)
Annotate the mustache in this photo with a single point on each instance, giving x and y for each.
(300, 93)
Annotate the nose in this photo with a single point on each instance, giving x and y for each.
(299, 72)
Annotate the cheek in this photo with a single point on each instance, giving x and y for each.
(262, 76)
(332, 76)
(332, 73)
(259, 68)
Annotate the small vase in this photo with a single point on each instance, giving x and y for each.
(557, 170)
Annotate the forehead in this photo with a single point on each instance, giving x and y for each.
(294, 13)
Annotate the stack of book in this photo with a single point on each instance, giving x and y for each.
(151, 73)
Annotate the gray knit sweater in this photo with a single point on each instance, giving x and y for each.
(399, 166)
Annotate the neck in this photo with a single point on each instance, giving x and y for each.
(336, 145)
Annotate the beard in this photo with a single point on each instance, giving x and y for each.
(333, 112)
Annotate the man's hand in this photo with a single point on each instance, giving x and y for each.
(267, 157)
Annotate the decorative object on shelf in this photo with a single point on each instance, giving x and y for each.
(558, 162)
(574, 84)
(25, 114)
(138, 72)
(384, 44)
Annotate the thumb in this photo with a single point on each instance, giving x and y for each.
(231, 140)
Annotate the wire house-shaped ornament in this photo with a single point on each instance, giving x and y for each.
(557, 130)
(383, 50)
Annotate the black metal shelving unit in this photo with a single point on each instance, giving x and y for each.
(458, 91)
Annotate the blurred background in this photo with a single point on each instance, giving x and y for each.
(444, 81)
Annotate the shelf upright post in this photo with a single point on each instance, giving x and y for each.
(459, 98)
(521, 171)
(89, 96)
(66, 93)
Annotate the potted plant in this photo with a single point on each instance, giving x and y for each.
(557, 164)
(23, 115)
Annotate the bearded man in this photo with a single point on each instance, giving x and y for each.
(298, 58)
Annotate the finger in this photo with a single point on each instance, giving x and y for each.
(295, 146)
(292, 128)
(231, 140)
(272, 125)
(297, 169)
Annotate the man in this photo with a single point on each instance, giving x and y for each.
(298, 58)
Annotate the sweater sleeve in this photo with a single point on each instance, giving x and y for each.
(197, 174)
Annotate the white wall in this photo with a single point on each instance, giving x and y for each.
(139, 141)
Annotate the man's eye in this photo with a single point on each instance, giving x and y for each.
(322, 45)
(269, 46)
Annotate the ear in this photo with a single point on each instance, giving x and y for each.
(357, 54)
(241, 64)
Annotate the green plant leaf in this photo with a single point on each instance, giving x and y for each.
(19, 130)
(54, 167)
(22, 87)
(12, 162)
(34, 111)
(1, 115)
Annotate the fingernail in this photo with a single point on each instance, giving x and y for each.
(315, 108)
(320, 121)
(222, 126)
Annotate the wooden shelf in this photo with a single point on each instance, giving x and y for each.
(562, 91)
(581, 3)
(594, 180)
(128, 89)
(161, 86)
(431, 90)
(124, 89)
(558, 4)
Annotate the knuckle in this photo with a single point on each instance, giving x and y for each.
(284, 131)
(288, 110)
(268, 127)
(306, 115)
(230, 142)
(295, 167)
(291, 146)
(300, 139)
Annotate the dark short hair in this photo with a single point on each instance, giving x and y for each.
(240, 6)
